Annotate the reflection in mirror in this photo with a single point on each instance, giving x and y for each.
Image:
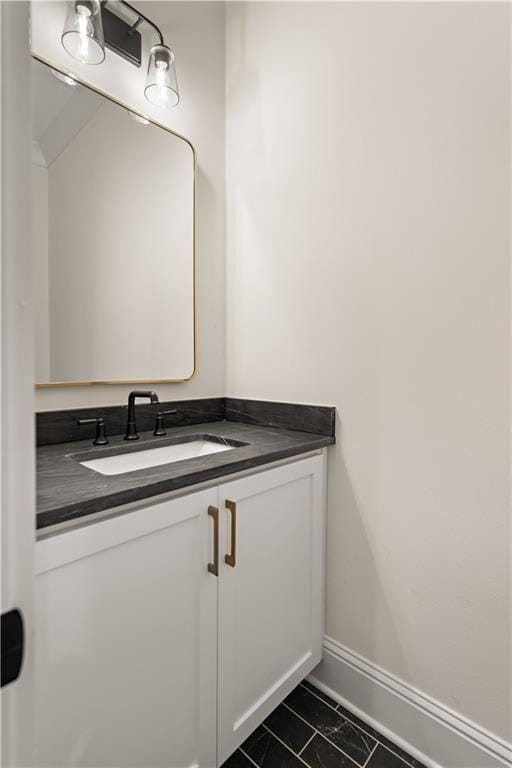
(113, 240)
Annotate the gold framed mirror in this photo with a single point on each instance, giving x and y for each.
(113, 220)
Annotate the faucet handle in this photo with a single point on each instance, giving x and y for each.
(159, 425)
(101, 438)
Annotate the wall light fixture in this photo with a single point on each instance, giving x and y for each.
(82, 36)
(90, 27)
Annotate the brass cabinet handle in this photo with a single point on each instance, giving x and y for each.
(213, 512)
(231, 558)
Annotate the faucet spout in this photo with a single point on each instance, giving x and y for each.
(131, 427)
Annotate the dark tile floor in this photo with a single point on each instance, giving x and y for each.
(311, 729)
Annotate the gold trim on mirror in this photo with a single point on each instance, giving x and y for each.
(50, 384)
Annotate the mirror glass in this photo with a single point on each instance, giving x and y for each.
(113, 240)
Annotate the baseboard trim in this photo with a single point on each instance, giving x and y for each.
(430, 731)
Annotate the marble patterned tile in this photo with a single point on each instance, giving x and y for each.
(320, 694)
(411, 761)
(383, 758)
(341, 732)
(268, 752)
(238, 760)
(320, 753)
(284, 724)
(267, 749)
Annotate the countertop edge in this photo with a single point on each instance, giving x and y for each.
(82, 509)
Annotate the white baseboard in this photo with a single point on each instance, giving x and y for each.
(428, 730)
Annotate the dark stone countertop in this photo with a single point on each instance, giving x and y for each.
(66, 490)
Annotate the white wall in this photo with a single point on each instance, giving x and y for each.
(196, 32)
(40, 272)
(368, 150)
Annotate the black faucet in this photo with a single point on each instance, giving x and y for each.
(131, 428)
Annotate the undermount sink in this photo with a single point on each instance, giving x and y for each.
(121, 463)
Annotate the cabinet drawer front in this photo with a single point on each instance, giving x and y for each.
(270, 600)
(126, 641)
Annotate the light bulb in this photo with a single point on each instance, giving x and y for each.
(161, 84)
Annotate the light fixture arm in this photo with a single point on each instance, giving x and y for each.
(135, 25)
(140, 19)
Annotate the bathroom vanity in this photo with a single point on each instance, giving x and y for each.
(168, 627)
(179, 571)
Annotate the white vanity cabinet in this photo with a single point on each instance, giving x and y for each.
(126, 637)
(145, 656)
(270, 598)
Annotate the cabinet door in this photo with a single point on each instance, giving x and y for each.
(271, 595)
(126, 640)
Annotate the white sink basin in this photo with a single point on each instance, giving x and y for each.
(153, 457)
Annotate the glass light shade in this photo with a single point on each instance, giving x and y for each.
(161, 84)
(82, 37)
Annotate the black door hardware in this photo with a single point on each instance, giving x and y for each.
(101, 438)
(159, 426)
(12, 637)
